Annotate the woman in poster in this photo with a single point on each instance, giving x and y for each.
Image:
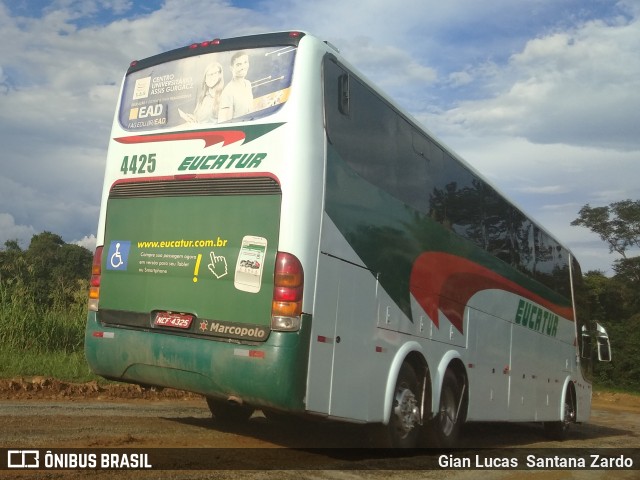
(206, 110)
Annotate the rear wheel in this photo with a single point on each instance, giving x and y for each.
(280, 417)
(445, 426)
(558, 430)
(229, 413)
(404, 426)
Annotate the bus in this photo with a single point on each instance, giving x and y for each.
(277, 234)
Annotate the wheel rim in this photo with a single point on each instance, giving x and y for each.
(569, 412)
(406, 411)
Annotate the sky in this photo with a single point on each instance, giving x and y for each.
(541, 96)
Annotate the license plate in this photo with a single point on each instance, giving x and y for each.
(175, 320)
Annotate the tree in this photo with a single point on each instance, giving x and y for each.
(617, 224)
(607, 297)
(10, 259)
(12, 246)
(48, 271)
(616, 301)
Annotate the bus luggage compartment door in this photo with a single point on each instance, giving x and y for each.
(341, 350)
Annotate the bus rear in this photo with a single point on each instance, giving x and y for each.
(190, 287)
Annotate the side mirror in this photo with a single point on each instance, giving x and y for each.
(604, 346)
(600, 339)
(586, 345)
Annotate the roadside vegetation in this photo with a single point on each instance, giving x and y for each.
(615, 301)
(43, 298)
(43, 302)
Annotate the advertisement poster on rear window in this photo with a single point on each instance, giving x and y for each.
(208, 89)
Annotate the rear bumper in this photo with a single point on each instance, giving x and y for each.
(270, 374)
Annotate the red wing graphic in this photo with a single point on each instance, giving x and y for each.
(441, 281)
(209, 137)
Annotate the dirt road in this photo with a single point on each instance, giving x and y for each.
(43, 413)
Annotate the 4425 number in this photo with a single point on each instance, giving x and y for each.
(138, 164)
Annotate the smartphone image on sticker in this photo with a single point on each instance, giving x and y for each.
(248, 277)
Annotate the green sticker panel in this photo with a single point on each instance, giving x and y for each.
(210, 256)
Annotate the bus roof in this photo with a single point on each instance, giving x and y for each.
(291, 38)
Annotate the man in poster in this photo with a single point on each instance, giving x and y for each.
(237, 97)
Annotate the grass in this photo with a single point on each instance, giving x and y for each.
(49, 340)
(608, 389)
(26, 324)
(67, 367)
(45, 340)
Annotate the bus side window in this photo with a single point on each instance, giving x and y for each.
(343, 94)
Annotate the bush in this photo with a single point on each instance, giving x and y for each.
(27, 325)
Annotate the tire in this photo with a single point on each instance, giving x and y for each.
(281, 418)
(227, 413)
(404, 428)
(558, 430)
(445, 426)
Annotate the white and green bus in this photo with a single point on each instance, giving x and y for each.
(277, 234)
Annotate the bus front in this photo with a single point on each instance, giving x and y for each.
(198, 279)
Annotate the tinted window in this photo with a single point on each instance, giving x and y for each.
(384, 148)
(207, 89)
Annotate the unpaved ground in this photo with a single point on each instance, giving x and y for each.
(45, 413)
(43, 388)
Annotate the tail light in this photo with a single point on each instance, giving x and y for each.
(287, 293)
(94, 283)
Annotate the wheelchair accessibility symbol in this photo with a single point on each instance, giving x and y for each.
(118, 255)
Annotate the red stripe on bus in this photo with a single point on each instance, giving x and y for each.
(209, 137)
(445, 282)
